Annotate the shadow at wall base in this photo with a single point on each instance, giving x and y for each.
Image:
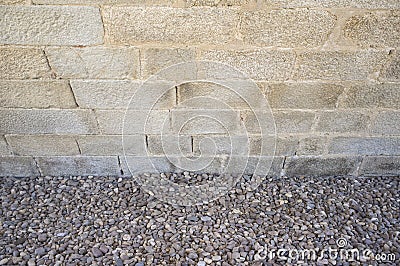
(24, 166)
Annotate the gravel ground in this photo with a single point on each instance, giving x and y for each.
(109, 221)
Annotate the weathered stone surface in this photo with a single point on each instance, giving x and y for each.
(244, 145)
(15, 121)
(263, 166)
(371, 96)
(50, 25)
(112, 145)
(380, 165)
(219, 3)
(17, 166)
(117, 94)
(79, 165)
(36, 94)
(3, 147)
(313, 145)
(139, 165)
(23, 63)
(365, 146)
(169, 144)
(339, 65)
(104, 94)
(286, 27)
(392, 71)
(107, 2)
(386, 123)
(12, 2)
(303, 95)
(383, 4)
(155, 59)
(293, 121)
(133, 122)
(221, 145)
(124, 25)
(41, 145)
(273, 65)
(258, 122)
(273, 145)
(336, 3)
(206, 95)
(321, 166)
(206, 122)
(342, 121)
(374, 29)
(94, 62)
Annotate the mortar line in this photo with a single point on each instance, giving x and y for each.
(37, 166)
(73, 94)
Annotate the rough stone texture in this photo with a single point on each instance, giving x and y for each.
(244, 145)
(124, 25)
(303, 95)
(384, 4)
(19, 121)
(221, 145)
(50, 25)
(169, 144)
(219, 3)
(339, 65)
(371, 96)
(155, 59)
(321, 166)
(94, 62)
(282, 146)
(329, 70)
(293, 121)
(336, 3)
(275, 65)
(392, 71)
(12, 2)
(364, 146)
(3, 147)
(154, 164)
(107, 2)
(286, 27)
(112, 145)
(342, 121)
(380, 165)
(207, 95)
(36, 94)
(374, 29)
(206, 122)
(117, 94)
(263, 166)
(18, 166)
(41, 145)
(136, 122)
(79, 165)
(386, 123)
(314, 145)
(23, 63)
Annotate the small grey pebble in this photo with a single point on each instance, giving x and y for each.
(97, 252)
(42, 237)
(205, 218)
(40, 251)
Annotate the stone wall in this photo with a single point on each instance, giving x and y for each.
(330, 71)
